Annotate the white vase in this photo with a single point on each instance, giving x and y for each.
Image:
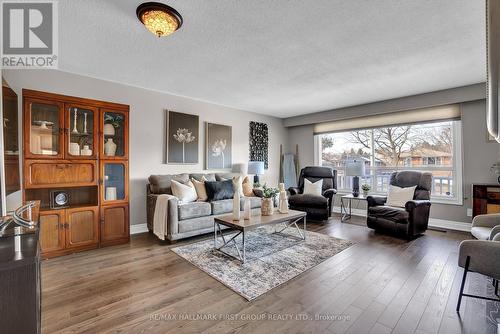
(74, 149)
(267, 206)
(110, 148)
(247, 208)
(283, 203)
(86, 150)
(109, 130)
(236, 204)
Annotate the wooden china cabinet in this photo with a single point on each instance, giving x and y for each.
(76, 163)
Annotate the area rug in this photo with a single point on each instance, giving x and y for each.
(271, 259)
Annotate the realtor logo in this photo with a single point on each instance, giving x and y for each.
(29, 36)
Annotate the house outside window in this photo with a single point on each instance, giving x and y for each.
(434, 147)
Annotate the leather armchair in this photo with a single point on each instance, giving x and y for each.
(316, 207)
(410, 221)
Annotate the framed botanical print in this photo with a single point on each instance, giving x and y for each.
(182, 138)
(218, 146)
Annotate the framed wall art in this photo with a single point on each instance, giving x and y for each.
(218, 146)
(182, 138)
(259, 142)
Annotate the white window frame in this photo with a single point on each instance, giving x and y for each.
(456, 167)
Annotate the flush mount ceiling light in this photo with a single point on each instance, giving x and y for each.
(160, 19)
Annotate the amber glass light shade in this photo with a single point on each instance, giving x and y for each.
(159, 18)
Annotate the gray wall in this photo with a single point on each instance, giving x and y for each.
(147, 125)
(478, 154)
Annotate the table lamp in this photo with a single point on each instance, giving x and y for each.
(256, 168)
(355, 168)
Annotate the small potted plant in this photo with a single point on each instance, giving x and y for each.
(268, 196)
(366, 188)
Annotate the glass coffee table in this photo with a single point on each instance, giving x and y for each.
(242, 226)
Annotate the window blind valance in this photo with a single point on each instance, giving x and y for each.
(423, 115)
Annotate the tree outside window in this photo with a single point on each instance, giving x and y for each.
(416, 147)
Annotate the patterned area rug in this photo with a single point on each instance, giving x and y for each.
(271, 259)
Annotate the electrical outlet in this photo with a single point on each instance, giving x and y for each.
(469, 212)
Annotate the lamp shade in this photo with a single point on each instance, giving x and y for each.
(256, 167)
(355, 168)
(240, 168)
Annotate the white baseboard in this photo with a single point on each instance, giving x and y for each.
(138, 228)
(449, 224)
(433, 222)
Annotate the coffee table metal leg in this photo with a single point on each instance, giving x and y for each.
(305, 227)
(215, 235)
(293, 223)
(244, 252)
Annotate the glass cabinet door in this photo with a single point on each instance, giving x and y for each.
(114, 182)
(114, 135)
(45, 129)
(81, 134)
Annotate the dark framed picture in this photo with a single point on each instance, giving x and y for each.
(218, 146)
(59, 199)
(182, 138)
(259, 143)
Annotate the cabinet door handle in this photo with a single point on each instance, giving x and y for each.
(102, 222)
(60, 226)
(66, 225)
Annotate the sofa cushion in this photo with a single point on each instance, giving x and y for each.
(255, 202)
(186, 193)
(313, 188)
(225, 176)
(398, 196)
(161, 184)
(247, 187)
(219, 190)
(308, 200)
(201, 191)
(194, 209)
(389, 212)
(223, 206)
(196, 224)
(199, 176)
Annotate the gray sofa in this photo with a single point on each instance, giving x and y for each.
(189, 219)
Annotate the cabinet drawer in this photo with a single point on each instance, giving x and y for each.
(42, 174)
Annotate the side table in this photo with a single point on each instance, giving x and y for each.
(346, 206)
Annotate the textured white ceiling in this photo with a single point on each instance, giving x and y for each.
(281, 57)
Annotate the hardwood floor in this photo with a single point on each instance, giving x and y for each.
(379, 285)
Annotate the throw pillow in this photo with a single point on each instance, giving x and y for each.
(247, 187)
(238, 184)
(398, 196)
(219, 190)
(201, 191)
(315, 188)
(184, 192)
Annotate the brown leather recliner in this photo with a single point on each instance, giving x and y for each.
(316, 207)
(410, 221)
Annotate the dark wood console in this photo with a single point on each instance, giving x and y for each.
(485, 199)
